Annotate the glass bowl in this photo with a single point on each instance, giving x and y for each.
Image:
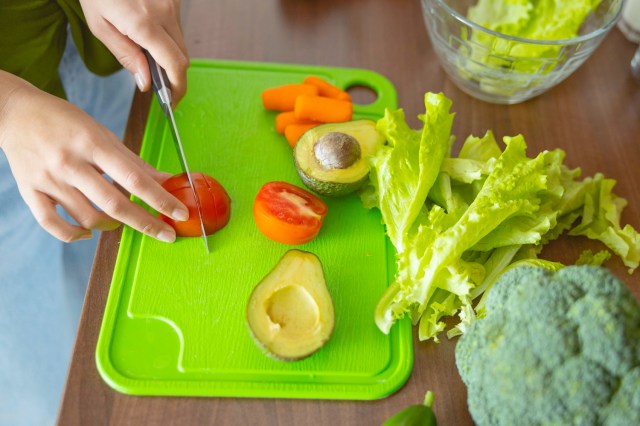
(503, 69)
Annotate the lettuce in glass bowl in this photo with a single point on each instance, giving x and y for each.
(508, 51)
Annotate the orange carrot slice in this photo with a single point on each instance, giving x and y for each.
(283, 98)
(293, 132)
(320, 108)
(327, 89)
(287, 118)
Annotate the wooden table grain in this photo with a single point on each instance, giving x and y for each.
(594, 116)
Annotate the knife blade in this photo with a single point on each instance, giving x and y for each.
(160, 83)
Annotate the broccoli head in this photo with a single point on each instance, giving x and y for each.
(557, 348)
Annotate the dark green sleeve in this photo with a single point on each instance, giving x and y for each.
(95, 55)
(32, 39)
(33, 34)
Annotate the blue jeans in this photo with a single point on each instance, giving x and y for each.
(42, 280)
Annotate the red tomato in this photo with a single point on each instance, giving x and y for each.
(215, 204)
(288, 214)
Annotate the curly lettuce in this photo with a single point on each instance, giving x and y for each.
(457, 223)
(416, 158)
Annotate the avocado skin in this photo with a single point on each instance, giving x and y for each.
(330, 189)
(337, 182)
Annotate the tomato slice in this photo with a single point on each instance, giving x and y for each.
(215, 204)
(288, 214)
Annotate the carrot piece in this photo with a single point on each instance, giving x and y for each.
(327, 89)
(320, 108)
(293, 132)
(283, 98)
(286, 118)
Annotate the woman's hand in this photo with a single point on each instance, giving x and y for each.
(124, 26)
(58, 153)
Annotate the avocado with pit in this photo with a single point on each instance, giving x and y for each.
(333, 159)
(290, 312)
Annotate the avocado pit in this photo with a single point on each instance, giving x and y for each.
(337, 150)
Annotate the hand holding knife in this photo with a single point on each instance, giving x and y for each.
(160, 83)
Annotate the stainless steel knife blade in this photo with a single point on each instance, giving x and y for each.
(160, 83)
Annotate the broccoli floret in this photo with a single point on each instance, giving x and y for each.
(624, 408)
(557, 348)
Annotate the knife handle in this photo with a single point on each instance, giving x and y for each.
(160, 82)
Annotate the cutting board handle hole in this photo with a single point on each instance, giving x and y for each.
(361, 94)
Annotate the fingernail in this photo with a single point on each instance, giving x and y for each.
(139, 80)
(85, 236)
(167, 236)
(180, 215)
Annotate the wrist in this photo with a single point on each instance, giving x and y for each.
(11, 88)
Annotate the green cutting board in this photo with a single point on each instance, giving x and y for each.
(174, 323)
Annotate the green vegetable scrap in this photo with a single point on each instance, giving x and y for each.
(587, 257)
(415, 415)
(554, 348)
(457, 223)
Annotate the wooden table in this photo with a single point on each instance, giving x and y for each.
(594, 116)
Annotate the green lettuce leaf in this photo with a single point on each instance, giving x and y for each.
(484, 149)
(532, 19)
(503, 16)
(409, 164)
(601, 221)
(458, 223)
(511, 189)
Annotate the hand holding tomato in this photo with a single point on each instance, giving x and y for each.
(215, 204)
(288, 214)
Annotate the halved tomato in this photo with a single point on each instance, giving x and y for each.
(215, 204)
(288, 214)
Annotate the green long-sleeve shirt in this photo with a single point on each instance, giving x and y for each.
(33, 34)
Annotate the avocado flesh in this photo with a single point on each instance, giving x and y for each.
(330, 181)
(290, 312)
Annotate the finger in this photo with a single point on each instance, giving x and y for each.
(126, 51)
(174, 28)
(167, 53)
(157, 175)
(175, 32)
(124, 171)
(119, 207)
(45, 213)
(83, 212)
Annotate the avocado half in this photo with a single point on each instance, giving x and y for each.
(332, 159)
(290, 312)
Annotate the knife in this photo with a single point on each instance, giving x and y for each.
(160, 83)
